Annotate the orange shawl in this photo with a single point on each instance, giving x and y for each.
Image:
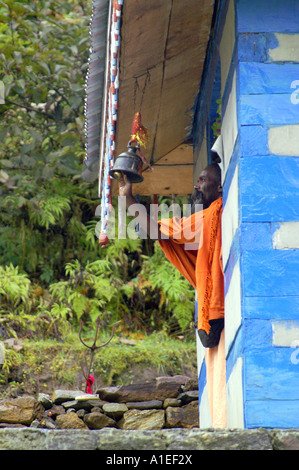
(202, 267)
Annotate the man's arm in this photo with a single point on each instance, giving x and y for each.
(145, 221)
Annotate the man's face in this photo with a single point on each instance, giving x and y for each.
(207, 188)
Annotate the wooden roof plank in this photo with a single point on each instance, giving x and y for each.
(162, 58)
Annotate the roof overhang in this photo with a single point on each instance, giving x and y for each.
(163, 50)
(160, 66)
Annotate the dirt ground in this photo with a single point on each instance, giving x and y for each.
(20, 383)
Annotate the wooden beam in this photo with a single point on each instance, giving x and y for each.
(183, 154)
(166, 180)
(172, 174)
(162, 57)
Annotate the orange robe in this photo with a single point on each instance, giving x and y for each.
(202, 266)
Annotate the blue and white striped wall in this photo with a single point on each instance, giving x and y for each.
(259, 57)
(268, 115)
(231, 221)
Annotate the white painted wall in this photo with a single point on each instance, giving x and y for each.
(286, 237)
(285, 333)
(235, 414)
(229, 127)
(287, 48)
(230, 216)
(204, 410)
(233, 312)
(284, 140)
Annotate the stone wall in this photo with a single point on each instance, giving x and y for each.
(166, 402)
(166, 441)
(159, 415)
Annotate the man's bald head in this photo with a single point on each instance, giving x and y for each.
(215, 169)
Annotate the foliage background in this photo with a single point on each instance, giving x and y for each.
(52, 271)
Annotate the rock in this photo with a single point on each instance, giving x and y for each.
(187, 397)
(45, 439)
(71, 410)
(87, 397)
(61, 396)
(85, 405)
(45, 400)
(81, 413)
(171, 402)
(226, 439)
(72, 404)
(170, 440)
(144, 405)
(191, 384)
(96, 408)
(183, 417)
(109, 393)
(14, 343)
(77, 405)
(12, 425)
(36, 424)
(118, 439)
(70, 421)
(157, 390)
(55, 411)
(115, 410)
(22, 410)
(285, 439)
(178, 379)
(167, 388)
(142, 420)
(49, 424)
(96, 420)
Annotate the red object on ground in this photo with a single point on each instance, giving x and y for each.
(89, 383)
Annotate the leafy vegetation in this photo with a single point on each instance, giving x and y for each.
(45, 208)
(52, 271)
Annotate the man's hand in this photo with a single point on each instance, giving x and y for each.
(124, 189)
(124, 185)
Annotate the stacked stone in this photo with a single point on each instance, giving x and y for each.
(167, 402)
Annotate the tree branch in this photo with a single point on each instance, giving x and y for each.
(29, 108)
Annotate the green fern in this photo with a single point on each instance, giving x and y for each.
(176, 294)
(50, 211)
(88, 289)
(14, 286)
(60, 311)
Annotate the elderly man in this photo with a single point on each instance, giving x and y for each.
(201, 265)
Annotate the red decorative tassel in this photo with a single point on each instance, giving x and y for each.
(103, 239)
(89, 383)
(139, 132)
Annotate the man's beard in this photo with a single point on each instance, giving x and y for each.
(197, 198)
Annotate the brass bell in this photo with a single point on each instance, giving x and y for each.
(129, 163)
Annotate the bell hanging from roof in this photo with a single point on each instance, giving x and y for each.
(130, 162)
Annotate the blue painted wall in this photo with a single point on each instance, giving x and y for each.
(259, 71)
(257, 16)
(269, 195)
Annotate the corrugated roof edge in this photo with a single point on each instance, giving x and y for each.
(95, 87)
